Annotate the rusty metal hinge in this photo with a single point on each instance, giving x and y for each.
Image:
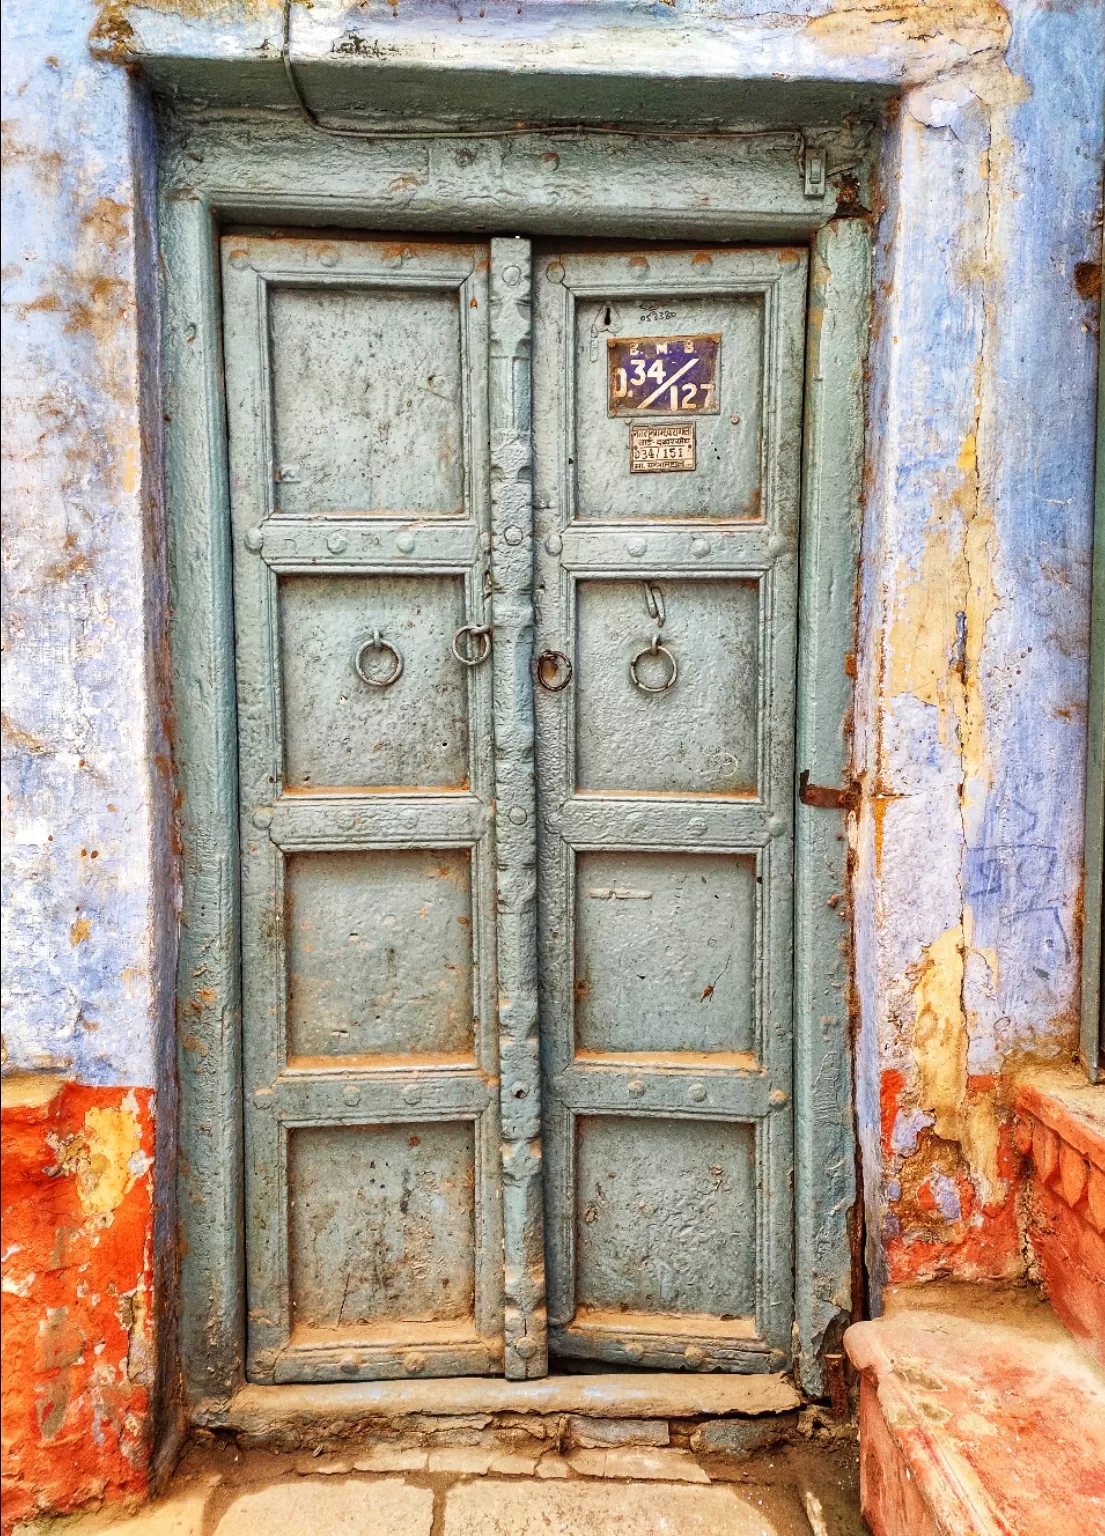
(824, 798)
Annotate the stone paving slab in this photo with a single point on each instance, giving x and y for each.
(591, 1432)
(741, 1436)
(621, 1461)
(489, 1508)
(385, 1506)
(181, 1513)
(392, 1490)
(388, 1458)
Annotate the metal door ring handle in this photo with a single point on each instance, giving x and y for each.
(655, 649)
(376, 642)
(481, 634)
(554, 671)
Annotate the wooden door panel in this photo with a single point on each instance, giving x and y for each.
(382, 431)
(627, 740)
(383, 1226)
(390, 835)
(363, 407)
(727, 483)
(380, 954)
(665, 1217)
(338, 731)
(665, 952)
(667, 576)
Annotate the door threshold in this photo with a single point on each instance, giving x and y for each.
(291, 1413)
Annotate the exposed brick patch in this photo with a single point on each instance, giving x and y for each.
(1062, 1126)
(944, 1219)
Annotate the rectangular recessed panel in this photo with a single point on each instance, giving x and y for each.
(699, 736)
(342, 728)
(665, 952)
(382, 1222)
(632, 358)
(367, 400)
(665, 1216)
(379, 952)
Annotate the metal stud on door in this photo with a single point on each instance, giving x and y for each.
(667, 403)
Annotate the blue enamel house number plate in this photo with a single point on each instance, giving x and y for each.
(663, 375)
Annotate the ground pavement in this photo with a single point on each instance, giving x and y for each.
(804, 1488)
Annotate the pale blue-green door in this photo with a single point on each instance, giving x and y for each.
(667, 418)
(392, 1207)
(394, 502)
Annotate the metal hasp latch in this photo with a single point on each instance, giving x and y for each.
(824, 798)
(816, 170)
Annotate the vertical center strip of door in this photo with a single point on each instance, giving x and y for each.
(515, 807)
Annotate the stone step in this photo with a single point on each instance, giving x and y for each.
(979, 1416)
(291, 1416)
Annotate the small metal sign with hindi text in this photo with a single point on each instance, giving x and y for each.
(663, 375)
(657, 448)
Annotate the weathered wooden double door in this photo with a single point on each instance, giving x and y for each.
(515, 579)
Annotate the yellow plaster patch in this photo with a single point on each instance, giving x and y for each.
(944, 607)
(979, 1139)
(940, 1042)
(967, 460)
(79, 930)
(926, 30)
(129, 476)
(940, 1034)
(104, 1174)
(980, 601)
(922, 639)
(29, 1090)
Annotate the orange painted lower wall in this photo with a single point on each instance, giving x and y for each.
(952, 1211)
(77, 1294)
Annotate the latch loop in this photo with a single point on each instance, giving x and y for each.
(654, 604)
(376, 642)
(481, 635)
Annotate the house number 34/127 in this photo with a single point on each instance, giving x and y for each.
(663, 375)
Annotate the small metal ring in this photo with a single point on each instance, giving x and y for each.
(655, 649)
(554, 671)
(482, 634)
(376, 642)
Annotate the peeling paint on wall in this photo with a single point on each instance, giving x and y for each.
(86, 877)
(89, 880)
(975, 615)
(77, 1294)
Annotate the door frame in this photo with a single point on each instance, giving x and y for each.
(262, 173)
